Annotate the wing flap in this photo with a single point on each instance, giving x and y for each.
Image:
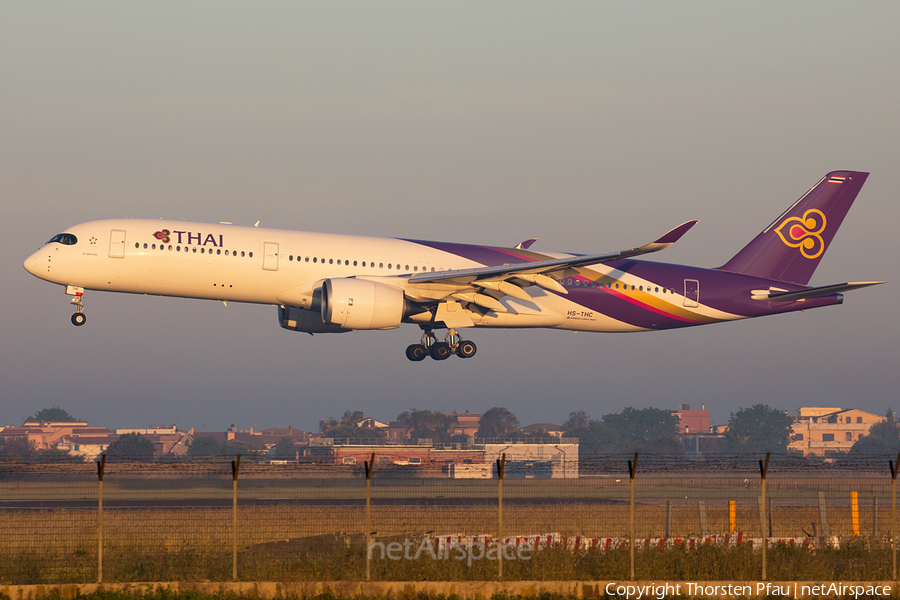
(468, 276)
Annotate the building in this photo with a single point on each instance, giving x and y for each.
(46, 435)
(89, 447)
(826, 431)
(530, 460)
(355, 452)
(692, 421)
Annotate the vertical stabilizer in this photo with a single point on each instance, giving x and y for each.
(791, 247)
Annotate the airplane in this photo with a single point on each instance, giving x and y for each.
(328, 283)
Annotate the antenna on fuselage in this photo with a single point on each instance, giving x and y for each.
(256, 224)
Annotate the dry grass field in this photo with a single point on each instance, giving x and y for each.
(297, 541)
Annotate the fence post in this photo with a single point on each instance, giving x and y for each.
(763, 469)
(701, 506)
(732, 517)
(894, 467)
(101, 466)
(632, 470)
(235, 467)
(668, 519)
(770, 513)
(501, 466)
(823, 519)
(874, 516)
(854, 513)
(370, 464)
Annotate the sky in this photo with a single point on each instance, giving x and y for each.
(591, 126)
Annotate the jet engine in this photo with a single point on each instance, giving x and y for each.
(307, 321)
(361, 304)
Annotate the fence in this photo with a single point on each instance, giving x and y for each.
(644, 517)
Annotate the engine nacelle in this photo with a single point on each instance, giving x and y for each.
(361, 304)
(307, 321)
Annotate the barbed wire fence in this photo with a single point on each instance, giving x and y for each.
(603, 517)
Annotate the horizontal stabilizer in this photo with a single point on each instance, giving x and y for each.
(816, 292)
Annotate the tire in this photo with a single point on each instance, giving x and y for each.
(440, 351)
(416, 352)
(78, 319)
(467, 349)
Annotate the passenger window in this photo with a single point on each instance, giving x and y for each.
(407, 268)
(195, 250)
(416, 268)
(315, 259)
(218, 252)
(137, 245)
(354, 263)
(380, 265)
(389, 265)
(250, 254)
(291, 257)
(145, 246)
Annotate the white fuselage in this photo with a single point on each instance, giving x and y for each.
(264, 266)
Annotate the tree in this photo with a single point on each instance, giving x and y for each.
(352, 425)
(576, 420)
(883, 437)
(643, 426)
(497, 422)
(206, 446)
(285, 449)
(598, 437)
(52, 414)
(55, 455)
(758, 429)
(17, 448)
(428, 424)
(645, 430)
(132, 446)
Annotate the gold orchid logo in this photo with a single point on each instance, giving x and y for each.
(163, 235)
(804, 233)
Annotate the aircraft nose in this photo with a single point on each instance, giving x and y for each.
(33, 263)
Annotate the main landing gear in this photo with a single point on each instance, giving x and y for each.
(452, 344)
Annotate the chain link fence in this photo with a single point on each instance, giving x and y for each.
(219, 519)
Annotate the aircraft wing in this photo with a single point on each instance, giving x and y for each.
(817, 292)
(538, 268)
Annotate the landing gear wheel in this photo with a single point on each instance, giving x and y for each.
(466, 349)
(440, 351)
(78, 319)
(416, 352)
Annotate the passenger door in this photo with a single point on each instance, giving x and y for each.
(117, 243)
(270, 256)
(691, 293)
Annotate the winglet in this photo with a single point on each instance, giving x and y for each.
(526, 244)
(674, 235)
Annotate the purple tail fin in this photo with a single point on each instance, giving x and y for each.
(791, 247)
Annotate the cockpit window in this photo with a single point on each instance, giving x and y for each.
(67, 239)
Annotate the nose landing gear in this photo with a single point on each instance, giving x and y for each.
(79, 318)
(452, 344)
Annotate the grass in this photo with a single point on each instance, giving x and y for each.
(303, 542)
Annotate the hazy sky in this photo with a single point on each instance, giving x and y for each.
(594, 126)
